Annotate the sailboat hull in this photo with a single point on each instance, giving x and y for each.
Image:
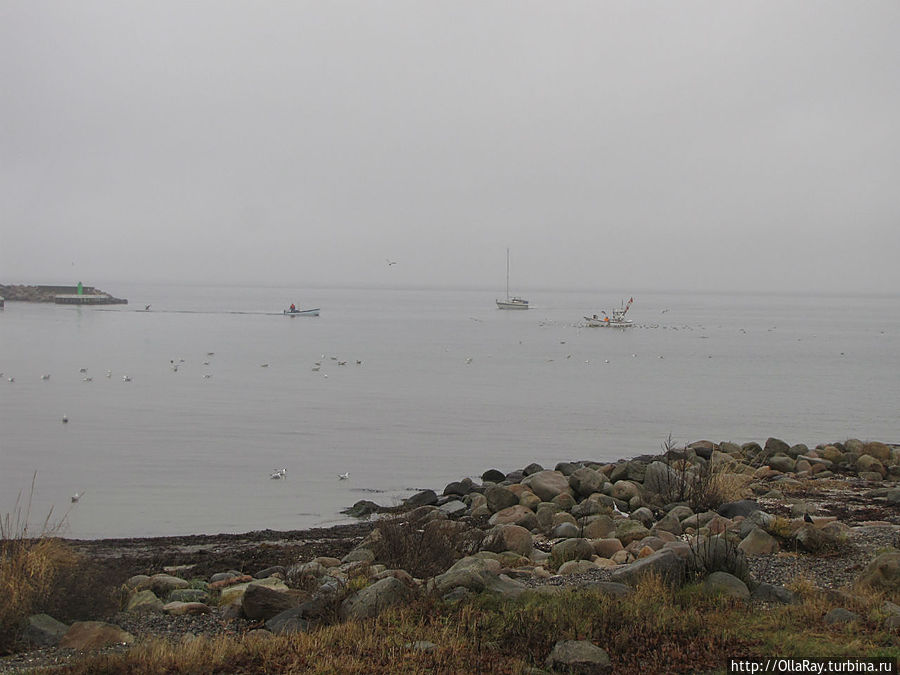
(512, 303)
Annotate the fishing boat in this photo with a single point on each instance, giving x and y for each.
(302, 312)
(617, 320)
(511, 302)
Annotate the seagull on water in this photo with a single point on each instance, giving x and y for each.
(45, 377)
(65, 419)
(278, 474)
(146, 308)
(77, 496)
(344, 476)
(126, 378)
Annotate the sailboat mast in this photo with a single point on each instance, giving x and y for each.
(507, 275)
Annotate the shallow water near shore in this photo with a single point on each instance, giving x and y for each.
(447, 387)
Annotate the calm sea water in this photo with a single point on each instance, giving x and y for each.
(448, 387)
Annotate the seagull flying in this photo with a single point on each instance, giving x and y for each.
(344, 476)
(390, 262)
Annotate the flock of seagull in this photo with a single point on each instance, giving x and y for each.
(280, 474)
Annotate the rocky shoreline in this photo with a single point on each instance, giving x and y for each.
(752, 522)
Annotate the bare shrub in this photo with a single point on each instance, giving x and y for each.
(422, 551)
(696, 482)
(717, 553)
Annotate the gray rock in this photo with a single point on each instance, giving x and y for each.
(882, 573)
(459, 488)
(515, 515)
(628, 531)
(717, 554)
(144, 602)
(163, 584)
(665, 563)
(359, 554)
(741, 508)
(288, 622)
(585, 482)
(188, 595)
(567, 468)
(548, 484)
(589, 507)
(722, 583)
(758, 542)
(454, 508)
(362, 509)
(578, 656)
(263, 603)
(840, 615)
(374, 599)
(765, 592)
(662, 479)
(571, 549)
(501, 584)
(42, 630)
(782, 463)
(423, 498)
(493, 476)
(532, 468)
(499, 498)
(565, 531)
(572, 567)
(270, 571)
(178, 608)
(776, 446)
(643, 515)
(514, 538)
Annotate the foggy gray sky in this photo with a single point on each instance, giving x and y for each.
(651, 145)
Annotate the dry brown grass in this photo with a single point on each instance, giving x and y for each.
(29, 565)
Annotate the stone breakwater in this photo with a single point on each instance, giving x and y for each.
(22, 293)
(720, 514)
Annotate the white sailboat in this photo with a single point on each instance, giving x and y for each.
(511, 302)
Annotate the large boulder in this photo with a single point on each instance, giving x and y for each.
(571, 549)
(515, 515)
(883, 573)
(144, 602)
(628, 530)
(374, 599)
(471, 573)
(722, 583)
(548, 484)
(665, 563)
(499, 498)
(42, 630)
(758, 542)
(263, 603)
(514, 538)
(662, 479)
(578, 656)
(625, 490)
(585, 481)
(163, 584)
